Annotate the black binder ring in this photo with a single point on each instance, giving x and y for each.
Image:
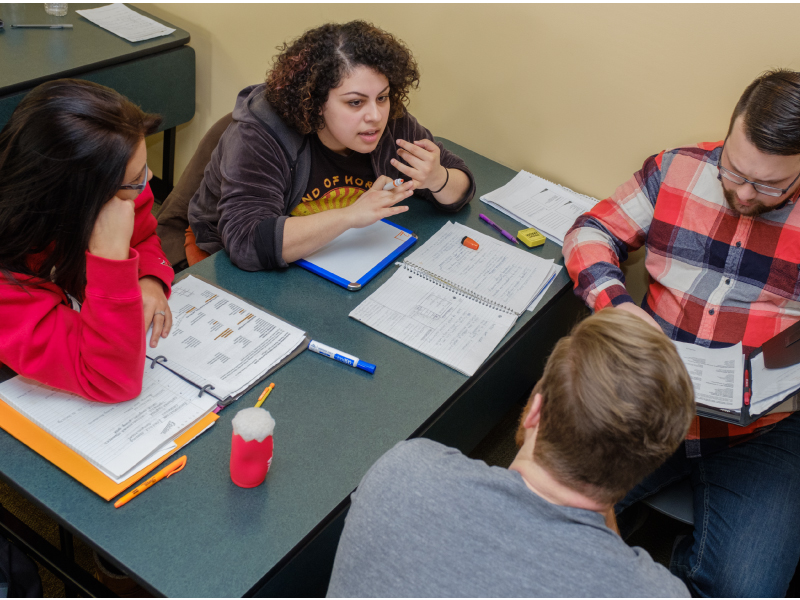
(205, 388)
(157, 360)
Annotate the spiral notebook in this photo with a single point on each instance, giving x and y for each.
(452, 303)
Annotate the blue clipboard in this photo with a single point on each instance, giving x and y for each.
(354, 286)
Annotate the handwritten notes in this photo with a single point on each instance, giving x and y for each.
(445, 325)
(497, 272)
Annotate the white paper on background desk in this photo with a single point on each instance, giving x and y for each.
(113, 437)
(452, 328)
(357, 251)
(717, 374)
(536, 202)
(126, 23)
(219, 339)
(496, 272)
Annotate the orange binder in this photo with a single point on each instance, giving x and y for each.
(72, 463)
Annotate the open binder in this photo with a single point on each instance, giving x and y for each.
(739, 389)
(82, 438)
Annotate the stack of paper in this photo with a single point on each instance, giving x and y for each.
(536, 202)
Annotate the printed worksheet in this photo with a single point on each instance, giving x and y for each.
(113, 437)
(126, 23)
(496, 271)
(218, 339)
(443, 324)
(536, 202)
(771, 386)
(717, 374)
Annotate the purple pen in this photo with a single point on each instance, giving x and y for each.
(497, 227)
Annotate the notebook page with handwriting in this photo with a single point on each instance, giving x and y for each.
(444, 324)
(497, 272)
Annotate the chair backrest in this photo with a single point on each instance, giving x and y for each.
(172, 218)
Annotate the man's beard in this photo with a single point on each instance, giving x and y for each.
(756, 208)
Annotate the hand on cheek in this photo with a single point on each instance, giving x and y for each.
(423, 166)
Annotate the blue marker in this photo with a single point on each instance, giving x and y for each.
(347, 359)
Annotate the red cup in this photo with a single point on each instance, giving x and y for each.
(250, 461)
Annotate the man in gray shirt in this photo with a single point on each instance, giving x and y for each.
(613, 403)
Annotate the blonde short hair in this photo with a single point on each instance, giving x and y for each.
(617, 402)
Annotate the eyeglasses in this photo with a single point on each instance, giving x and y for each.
(137, 186)
(737, 179)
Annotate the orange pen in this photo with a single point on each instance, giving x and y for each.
(170, 469)
(264, 395)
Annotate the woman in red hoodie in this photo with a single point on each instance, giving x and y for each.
(82, 273)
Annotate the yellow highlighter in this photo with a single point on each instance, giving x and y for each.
(167, 471)
(530, 237)
(264, 394)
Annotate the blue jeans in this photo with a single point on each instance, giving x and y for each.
(746, 538)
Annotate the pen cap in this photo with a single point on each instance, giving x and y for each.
(365, 366)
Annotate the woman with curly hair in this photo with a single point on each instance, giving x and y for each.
(328, 130)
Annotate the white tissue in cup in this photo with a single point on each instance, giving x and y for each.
(251, 446)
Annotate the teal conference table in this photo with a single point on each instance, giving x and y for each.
(200, 535)
(156, 74)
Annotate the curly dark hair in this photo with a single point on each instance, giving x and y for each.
(316, 62)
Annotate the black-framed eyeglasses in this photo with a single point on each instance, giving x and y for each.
(761, 188)
(137, 186)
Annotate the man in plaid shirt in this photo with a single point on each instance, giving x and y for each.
(721, 227)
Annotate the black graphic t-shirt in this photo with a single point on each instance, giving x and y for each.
(336, 181)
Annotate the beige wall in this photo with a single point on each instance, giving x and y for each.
(580, 94)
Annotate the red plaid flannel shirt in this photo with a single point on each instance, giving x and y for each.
(716, 278)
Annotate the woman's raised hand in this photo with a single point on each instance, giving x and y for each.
(111, 236)
(376, 203)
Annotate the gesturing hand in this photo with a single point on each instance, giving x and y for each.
(423, 166)
(376, 204)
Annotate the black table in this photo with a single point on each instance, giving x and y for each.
(200, 535)
(157, 74)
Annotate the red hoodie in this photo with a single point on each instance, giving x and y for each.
(98, 352)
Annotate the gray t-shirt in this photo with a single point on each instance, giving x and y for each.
(428, 521)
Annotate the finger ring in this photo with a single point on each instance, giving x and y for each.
(160, 312)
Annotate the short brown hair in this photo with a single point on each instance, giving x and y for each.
(617, 402)
(770, 108)
(316, 62)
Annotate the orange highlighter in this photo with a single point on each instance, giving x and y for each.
(470, 243)
(170, 469)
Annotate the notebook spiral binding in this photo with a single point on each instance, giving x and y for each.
(161, 360)
(456, 289)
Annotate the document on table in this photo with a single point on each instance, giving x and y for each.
(219, 339)
(446, 325)
(771, 386)
(126, 23)
(554, 271)
(116, 438)
(496, 273)
(536, 202)
(717, 374)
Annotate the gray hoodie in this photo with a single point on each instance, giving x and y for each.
(259, 171)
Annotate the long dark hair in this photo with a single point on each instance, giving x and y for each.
(63, 155)
(308, 68)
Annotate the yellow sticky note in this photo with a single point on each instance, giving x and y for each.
(530, 237)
